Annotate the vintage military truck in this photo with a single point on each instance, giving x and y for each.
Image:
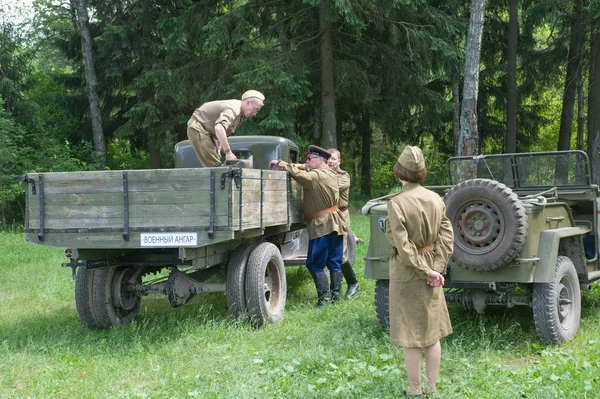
(123, 228)
(526, 233)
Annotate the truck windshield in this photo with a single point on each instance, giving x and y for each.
(528, 170)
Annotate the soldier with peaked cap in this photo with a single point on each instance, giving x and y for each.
(325, 223)
(344, 186)
(422, 243)
(212, 123)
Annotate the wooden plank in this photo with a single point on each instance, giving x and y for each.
(154, 222)
(266, 173)
(135, 211)
(136, 174)
(113, 240)
(135, 198)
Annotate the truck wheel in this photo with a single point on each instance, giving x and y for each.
(265, 284)
(236, 280)
(351, 242)
(114, 300)
(489, 222)
(557, 305)
(382, 303)
(84, 299)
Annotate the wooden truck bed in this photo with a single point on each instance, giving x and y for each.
(158, 208)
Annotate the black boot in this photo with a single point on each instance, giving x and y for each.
(336, 285)
(321, 283)
(351, 280)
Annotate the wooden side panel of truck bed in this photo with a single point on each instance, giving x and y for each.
(112, 209)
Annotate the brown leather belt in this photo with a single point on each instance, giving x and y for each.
(426, 248)
(322, 212)
(343, 208)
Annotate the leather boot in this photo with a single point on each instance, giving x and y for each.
(336, 285)
(350, 276)
(321, 284)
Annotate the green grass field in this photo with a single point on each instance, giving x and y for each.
(199, 351)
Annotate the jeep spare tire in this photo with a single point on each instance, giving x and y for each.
(489, 222)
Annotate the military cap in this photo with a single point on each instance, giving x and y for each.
(253, 93)
(412, 159)
(315, 150)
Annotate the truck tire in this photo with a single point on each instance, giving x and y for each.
(236, 280)
(114, 302)
(351, 242)
(557, 305)
(265, 285)
(489, 222)
(84, 298)
(382, 303)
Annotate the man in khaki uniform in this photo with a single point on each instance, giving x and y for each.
(344, 184)
(422, 243)
(325, 223)
(214, 121)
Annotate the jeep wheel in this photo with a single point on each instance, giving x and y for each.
(114, 300)
(489, 222)
(236, 280)
(557, 305)
(265, 284)
(382, 303)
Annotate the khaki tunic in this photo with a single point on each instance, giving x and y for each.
(418, 313)
(201, 128)
(344, 184)
(320, 188)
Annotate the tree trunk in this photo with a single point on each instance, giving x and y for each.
(593, 144)
(316, 135)
(364, 126)
(327, 78)
(468, 142)
(154, 153)
(90, 79)
(573, 64)
(511, 92)
(456, 116)
(580, 108)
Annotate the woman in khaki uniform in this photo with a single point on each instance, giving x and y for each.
(422, 240)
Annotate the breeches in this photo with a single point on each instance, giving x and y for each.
(325, 251)
(205, 148)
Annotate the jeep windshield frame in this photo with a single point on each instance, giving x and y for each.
(540, 170)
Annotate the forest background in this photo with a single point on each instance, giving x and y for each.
(94, 84)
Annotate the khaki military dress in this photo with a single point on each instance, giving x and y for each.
(418, 313)
(201, 128)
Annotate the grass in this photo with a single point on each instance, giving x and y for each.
(198, 350)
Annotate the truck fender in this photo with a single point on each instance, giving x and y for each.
(550, 246)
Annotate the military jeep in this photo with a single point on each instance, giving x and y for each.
(526, 233)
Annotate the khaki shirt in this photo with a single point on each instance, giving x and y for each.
(228, 113)
(417, 218)
(320, 192)
(344, 185)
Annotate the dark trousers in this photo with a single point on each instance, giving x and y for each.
(325, 251)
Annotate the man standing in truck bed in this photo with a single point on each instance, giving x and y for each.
(214, 121)
(325, 223)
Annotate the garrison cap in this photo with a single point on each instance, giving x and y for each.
(253, 93)
(412, 159)
(313, 149)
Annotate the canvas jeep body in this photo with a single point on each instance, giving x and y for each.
(526, 233)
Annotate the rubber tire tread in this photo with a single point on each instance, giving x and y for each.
(545, 295)
(106, 314)
(513, 212)
(255, 277)
(236, 280)
(84, 298)
(382, 303)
